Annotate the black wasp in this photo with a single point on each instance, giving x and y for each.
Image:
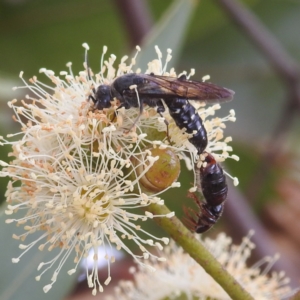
(152, 90)
(214, 188)
(135, 90)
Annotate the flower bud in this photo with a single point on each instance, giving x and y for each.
(164, 171)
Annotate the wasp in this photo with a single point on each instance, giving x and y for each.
(212, 182)
(150, 89)
(135, 90)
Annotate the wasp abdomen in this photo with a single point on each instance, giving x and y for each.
(208, 217)
(211, 181)
(185, 116)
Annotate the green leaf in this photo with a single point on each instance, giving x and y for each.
(168, 33)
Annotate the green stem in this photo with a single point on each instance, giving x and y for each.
(196, 250)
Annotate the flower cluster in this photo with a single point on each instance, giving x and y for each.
(182, 278)
(79, 174)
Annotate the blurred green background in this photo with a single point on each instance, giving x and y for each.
(44, 33)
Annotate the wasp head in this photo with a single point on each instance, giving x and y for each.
(103, 97)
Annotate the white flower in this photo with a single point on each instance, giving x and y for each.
(78, 173)
(180, 277)
(73, 177)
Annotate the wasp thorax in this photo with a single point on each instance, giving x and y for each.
(162, 174)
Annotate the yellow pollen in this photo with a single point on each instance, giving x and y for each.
(93, 205)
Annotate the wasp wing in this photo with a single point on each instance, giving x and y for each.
(169, 87)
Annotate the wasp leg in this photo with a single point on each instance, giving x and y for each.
(93, 98)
